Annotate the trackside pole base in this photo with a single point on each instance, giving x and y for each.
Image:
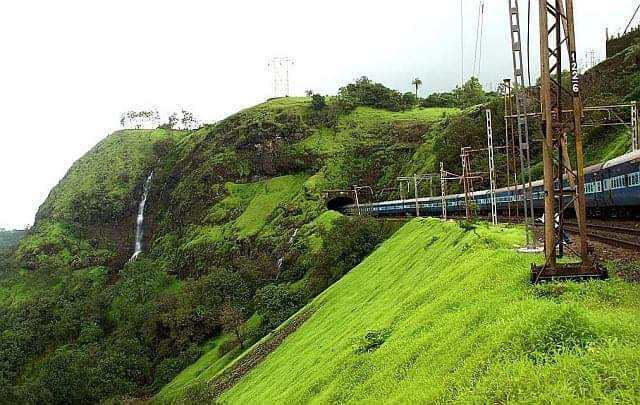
(568, 272)
(530, 249)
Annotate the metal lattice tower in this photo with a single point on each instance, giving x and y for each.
(522, 121)
(492, 169)
(557, 16)
(279, 66)
(634, 126)
(443, 188)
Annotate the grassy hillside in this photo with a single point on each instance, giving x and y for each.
(440, 313)
(236, 235)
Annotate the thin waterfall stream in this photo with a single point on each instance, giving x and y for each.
(140, 218)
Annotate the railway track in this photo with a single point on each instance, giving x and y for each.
(609, 228)
(607, 234)
(608, 239)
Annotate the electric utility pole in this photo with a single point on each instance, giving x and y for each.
(556, 16)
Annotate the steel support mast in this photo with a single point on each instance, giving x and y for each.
(492, 170)
(443, 190)
(554, 16)
(635, 143)
(522, 122)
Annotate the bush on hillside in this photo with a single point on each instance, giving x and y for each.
(275, 303)
(439, 100)
(318, 102)
(408, 101)
(367, 93)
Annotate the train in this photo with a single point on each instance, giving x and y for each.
(612, 189)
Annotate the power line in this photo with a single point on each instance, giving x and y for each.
(631, 20)
(461, 44)
(477, 55)
(481, 37)
(475, 51)
(529, 41)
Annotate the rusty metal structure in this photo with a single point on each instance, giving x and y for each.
(557, 39)
(416, 179)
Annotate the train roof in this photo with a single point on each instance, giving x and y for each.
(628, 157)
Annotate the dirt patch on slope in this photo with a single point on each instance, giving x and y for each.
(242, 367)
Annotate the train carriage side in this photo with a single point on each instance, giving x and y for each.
(621, 185)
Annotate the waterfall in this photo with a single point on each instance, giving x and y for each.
(293, 237)
(281, 259)
(140, 218)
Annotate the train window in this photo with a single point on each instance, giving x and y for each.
(594, 187)
(617, 182)
(634, 179)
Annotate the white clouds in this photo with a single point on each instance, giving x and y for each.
(69, 68)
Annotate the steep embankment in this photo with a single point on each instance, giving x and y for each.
(445, 313)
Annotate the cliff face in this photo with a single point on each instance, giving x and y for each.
(95, 204)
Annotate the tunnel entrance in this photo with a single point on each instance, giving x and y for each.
(337, 203)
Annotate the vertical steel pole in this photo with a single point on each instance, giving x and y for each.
(355, 189)
(577, 130)
(507, 112)
(430, 185)
(465, 182)
(634, 126)
(415, 186)
(547, 150)
(521, 108)
(443, 189)
(492, 174)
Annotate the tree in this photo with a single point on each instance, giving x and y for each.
(471, 93)
(408, 100)
(172, 120)
(416, 83)
(309, 93)
(188, 120)
(232, 320)
(140, 119)
(318, 102)
(367, 93)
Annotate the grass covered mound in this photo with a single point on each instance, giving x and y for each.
(441, 313)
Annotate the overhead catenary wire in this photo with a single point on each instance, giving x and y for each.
(529, 42)
(481, 37)
(477, 54)
(461, 44)
(632, 18)
(475, 50)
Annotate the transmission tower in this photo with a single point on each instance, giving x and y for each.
(279, 67)
(557, 36)
(591, 58)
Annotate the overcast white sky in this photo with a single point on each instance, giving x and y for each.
(69, 68)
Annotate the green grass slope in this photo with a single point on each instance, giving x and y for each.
(440, 313)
